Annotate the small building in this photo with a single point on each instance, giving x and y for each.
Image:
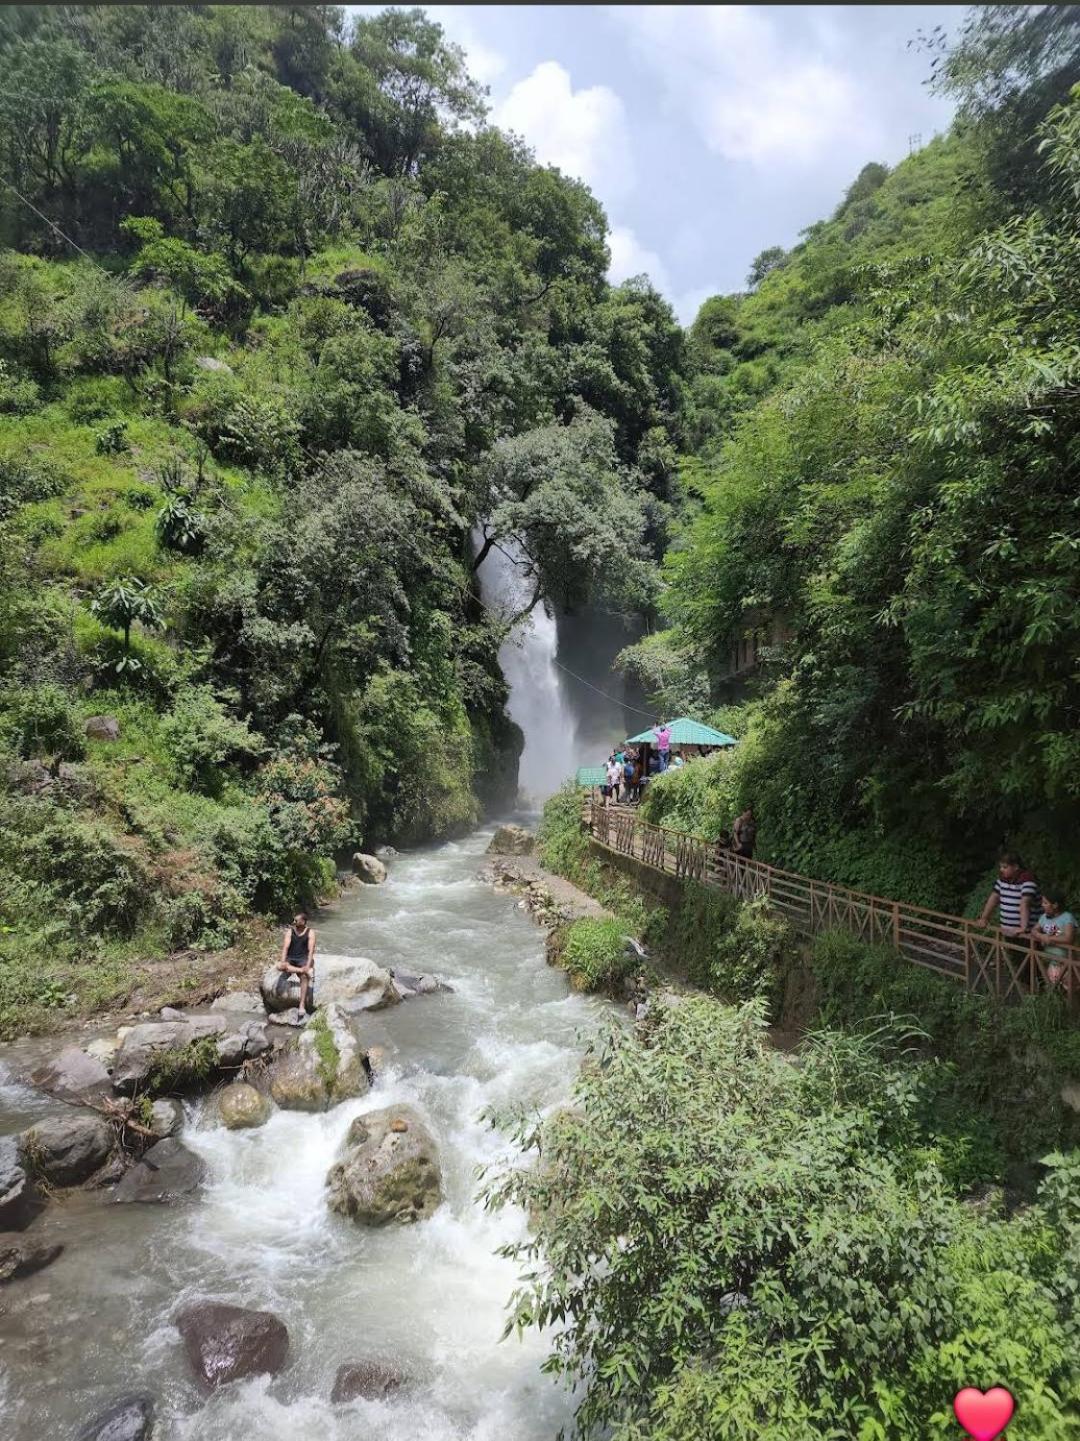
(688, 737)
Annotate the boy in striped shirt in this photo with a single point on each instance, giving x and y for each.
(1015, 897)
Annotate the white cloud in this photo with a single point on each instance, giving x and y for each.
(753, 93)
(629, 257)
(583, 132)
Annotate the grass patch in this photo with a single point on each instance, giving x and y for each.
(183, 1069)
(328, 1057)
(594, 954)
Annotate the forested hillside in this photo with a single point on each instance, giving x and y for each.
(290, 338)
(884, 436)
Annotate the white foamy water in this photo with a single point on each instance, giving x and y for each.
(538, 700)
(430, 1299)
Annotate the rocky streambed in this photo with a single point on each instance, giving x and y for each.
(221, 1222)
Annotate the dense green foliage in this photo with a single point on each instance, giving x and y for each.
(885, 434)
(290, 338)
(730, 1245)
(594, 953)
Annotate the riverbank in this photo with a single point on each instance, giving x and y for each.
(427, 1300)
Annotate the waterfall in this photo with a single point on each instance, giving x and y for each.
(538, 702)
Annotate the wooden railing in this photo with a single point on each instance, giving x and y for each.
(983, 959)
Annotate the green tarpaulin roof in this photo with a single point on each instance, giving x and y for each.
(687, 733)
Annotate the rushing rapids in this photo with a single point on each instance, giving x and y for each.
(429, 1300)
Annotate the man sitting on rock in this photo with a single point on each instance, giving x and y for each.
(298, 959)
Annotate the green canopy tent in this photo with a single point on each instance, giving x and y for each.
(686, 732)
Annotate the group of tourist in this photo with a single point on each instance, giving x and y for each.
(627, 771)
(1026, 912)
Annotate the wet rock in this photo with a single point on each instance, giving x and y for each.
(510, 841)
(166, 1118)
(21, 1257)
(326, 1065)
(387, 1174)
(369, 868)
(385, 853)
(419, 985)
(168, 1172)
(225, 1343)
(280, 990)
(241, 1107)
(242, 1001)
(171, 1013)
(102, 728)
(371, 1380)
(242, 1045)
(19, 1198)
(211, 362)
(158, 1043)
(355, 983)
(73, 1075)
(129, 1419)
(66, 1150)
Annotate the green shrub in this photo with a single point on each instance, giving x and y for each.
(562, 843)
(102, 885)
(185, 1068)
(595, 955)
(1008, 1062)
(726, 1245)
(42, 721)
(203, 741)
(112, 440)
(206, 921)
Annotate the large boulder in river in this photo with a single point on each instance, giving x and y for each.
(167, 1172)
(19, 1198)
(172, 1049)
(369, 868)
(225, 1343)
(280, 990)
(355, 983)
(389, 1170)
(510, 841)
(129, 1419)
(73, 1075)
(370, 1380)
(241, 1107)
(326, 1065)
(66, 1150)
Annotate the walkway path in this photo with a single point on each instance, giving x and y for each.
(984, 961)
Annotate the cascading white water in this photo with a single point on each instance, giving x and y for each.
(430, 1299)
(538, 701)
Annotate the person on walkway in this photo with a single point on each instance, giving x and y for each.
(1015, 897)
(1056, 929)
(298, 959)
(628, 777)
(744, 833)
(662, 732)
(615, 778)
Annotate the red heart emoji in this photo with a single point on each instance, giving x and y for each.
(984, 1415)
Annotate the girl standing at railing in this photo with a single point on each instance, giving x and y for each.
(1055, 931)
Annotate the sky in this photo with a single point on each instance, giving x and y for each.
(708, 132)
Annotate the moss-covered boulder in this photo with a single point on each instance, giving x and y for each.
(389, 1170)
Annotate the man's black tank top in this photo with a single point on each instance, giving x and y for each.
(298, 946)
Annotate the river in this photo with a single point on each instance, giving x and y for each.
(430, 1299)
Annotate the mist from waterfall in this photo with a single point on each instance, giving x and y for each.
(573, 711)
